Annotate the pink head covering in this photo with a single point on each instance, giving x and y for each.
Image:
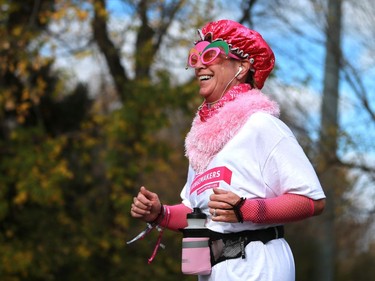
(245, 43)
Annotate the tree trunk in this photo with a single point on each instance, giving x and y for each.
(327, 168)
(109, 50)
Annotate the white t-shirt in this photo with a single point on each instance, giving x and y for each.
(263, 160)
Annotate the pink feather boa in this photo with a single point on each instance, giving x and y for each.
(207, 138)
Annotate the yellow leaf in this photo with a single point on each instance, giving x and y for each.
(10, 104)
(21, 198)
(22, 67)
(25, 94)
(83, 251)
(17, 30)
(82, 15)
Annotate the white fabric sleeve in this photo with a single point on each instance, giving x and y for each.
(288, 170)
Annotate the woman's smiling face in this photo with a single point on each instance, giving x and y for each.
(215, 68)
(215, 78)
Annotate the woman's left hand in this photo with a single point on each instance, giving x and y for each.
(221, 205)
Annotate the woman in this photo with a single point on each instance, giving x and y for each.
(247, 172)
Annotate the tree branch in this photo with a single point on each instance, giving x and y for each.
(106, 46)
(355, 81)
(247, 8)
(167, 16)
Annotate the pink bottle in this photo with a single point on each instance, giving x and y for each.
(196, 257)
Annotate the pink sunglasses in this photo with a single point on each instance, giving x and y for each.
(207, 52)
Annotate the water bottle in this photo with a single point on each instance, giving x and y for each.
(196, 258)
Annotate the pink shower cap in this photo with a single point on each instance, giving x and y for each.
(245, 43)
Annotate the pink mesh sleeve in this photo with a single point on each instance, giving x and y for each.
(175, 216)
(285, 208)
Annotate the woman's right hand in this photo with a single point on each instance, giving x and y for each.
(146, 205)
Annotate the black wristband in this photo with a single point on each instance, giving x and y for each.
(160, 216)
(237, 209)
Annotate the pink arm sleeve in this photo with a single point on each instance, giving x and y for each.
(175, 216)
(285, 208)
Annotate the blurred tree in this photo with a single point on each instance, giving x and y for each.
(69, 169)
(36, 115)
(327, 168)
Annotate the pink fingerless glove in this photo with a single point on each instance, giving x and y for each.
(175, 216)
(285, 208)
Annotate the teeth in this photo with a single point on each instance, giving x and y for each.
(204, 77)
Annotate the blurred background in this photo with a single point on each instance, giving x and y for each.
(95, 101)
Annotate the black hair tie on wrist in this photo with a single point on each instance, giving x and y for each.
(160, 216)
(237, 209)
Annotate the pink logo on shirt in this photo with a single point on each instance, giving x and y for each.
(211, 179)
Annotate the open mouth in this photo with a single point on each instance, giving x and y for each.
(204, 77)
